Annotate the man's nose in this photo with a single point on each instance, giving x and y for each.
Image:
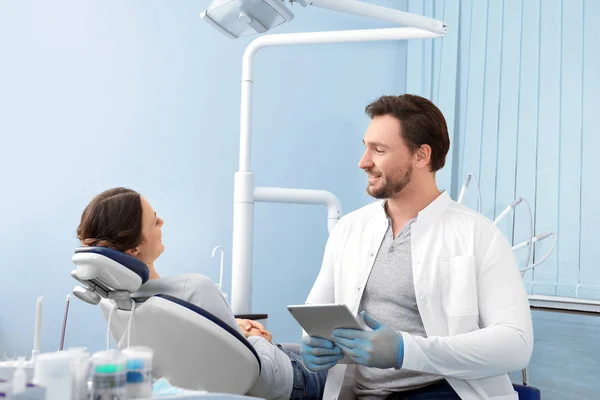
(365, 161)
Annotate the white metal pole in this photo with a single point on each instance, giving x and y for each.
(243, 242)
(243, 212)
(348, 36)
(302, 196)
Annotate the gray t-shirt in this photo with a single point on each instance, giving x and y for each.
(390, 298)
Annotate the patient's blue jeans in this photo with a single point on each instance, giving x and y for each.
(308, 385)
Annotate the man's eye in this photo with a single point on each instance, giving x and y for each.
(378, 151)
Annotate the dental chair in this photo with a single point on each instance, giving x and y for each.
(193, 349)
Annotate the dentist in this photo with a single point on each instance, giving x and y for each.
(437, 283)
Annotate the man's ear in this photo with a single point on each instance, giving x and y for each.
(423, 156)
(132, 252)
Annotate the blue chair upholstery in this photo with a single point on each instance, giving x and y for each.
(528, 392)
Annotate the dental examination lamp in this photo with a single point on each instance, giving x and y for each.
(238, 18)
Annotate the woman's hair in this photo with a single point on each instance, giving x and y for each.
(112, 219)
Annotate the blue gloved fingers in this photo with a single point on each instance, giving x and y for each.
(321, 363)
(353, 352)
(320, 368)
(348, 334)
(345, 343)
(325, 360)
(319, 351)
(319, 354)
(380, 347)
(317, 342)
(307, 347)
(370, 321)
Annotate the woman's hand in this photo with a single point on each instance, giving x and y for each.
(253, 328)
(248, 324)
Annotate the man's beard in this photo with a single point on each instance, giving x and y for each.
(398, 180)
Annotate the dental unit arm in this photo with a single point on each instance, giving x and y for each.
(192, 348)
(240, 18)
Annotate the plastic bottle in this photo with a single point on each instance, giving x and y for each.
(108, 376)
(139, 372)
(19, 378)
(53, 371)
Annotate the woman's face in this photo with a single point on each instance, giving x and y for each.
(151, 246)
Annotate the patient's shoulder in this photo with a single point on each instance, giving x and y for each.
(198, 280)
(196, 289)
(199, 288)
(185, 287)
(201, 291)
(191, 287)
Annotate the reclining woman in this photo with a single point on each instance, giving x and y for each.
(121, 219)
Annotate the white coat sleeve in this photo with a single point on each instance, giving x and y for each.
(504, 342)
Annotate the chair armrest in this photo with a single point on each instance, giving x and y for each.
(253, 317)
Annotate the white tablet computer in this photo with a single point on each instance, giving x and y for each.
(320, 320)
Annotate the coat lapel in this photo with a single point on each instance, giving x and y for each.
(426, 271)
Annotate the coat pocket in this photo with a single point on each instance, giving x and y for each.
(461, 287)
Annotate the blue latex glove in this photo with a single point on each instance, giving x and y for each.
(380, 348)
(319, 354)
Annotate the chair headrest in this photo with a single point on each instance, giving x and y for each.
(134, 264)
(110, 268)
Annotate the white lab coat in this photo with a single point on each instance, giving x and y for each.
(469, 291)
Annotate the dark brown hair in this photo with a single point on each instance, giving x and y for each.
(421, 123)
(112, 219)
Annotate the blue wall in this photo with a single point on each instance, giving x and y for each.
(144, 94)
(518, 81)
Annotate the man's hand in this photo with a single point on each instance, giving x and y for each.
(319, 354)
(379, 348)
